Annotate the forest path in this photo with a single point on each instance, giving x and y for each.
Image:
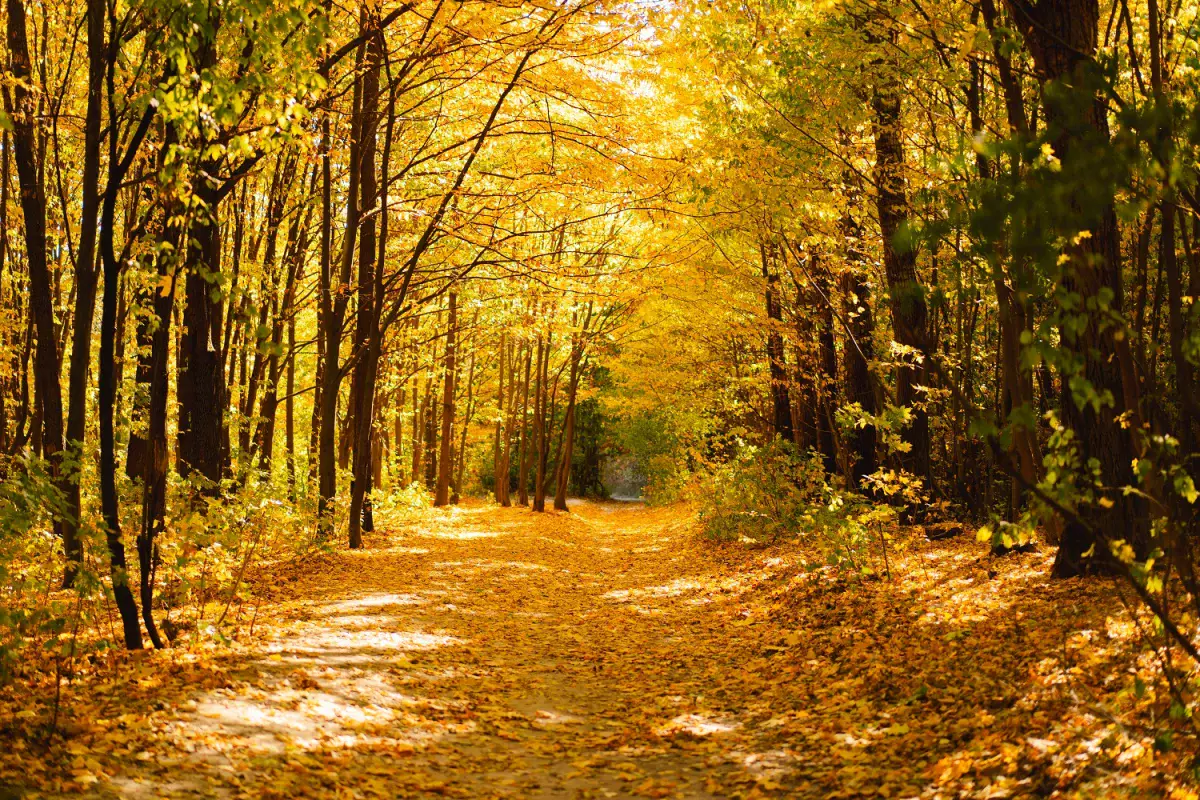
(487, 652)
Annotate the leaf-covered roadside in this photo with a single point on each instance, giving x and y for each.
(487, 652)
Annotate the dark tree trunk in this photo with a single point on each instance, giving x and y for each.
(466, 424)
(202, 438)
(827, 404)
(859, 349)
(357, 431)
(1062, 36)
(85, 266)
(499, 455)
(445, 461)
(108, 378)
(780, 401)
(333, 310)
(523, 467)
(540, 434)
(567, 449)
(22, 106)
(906, 294)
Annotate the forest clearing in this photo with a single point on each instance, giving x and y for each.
(600, 398)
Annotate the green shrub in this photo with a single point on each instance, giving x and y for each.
(775, 493)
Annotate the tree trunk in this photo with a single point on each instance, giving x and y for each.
(858, 350)
(780, 400)
(826, 383)
(462, 442)
(906, 294)
(154, 482)
(567, 448)
(418, 429)
(85, 266)
(499, 457)
(367, 333)
(445, 461)
(22, 111)
(540, 434)
(108, 378)
(1062, 36)
(333, 310)
(523, 468)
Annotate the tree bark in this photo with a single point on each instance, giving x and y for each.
(523, 468)
(1062, 36)
(540, 434)
(86, 274)
(108, 378)
(21, 106)
(780, 401)
(906, 294)
(858, 350)
(445, 461)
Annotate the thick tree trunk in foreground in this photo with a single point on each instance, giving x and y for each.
(333, 309)
(1062, 36)
(201, 382)
(367, 334)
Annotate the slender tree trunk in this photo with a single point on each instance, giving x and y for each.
(826, 383)
(5, 380)
(445, 460)
(462, 442)
(154, 483)
(499, 457)
(858, 350)
(539, 425)
(86, 274)
(567, 448)
(523, 469)
(418, 436)
(289, 409)
(429, 434)
(780, 400)
(109, 378)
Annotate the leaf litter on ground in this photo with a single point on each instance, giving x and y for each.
(611, 652)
